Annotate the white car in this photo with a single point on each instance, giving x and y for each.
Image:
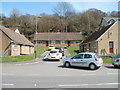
(85, 59)
(54, 54)
(116, 61)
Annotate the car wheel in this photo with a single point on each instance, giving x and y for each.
(92, 66)
(67, 64)
(115, 66)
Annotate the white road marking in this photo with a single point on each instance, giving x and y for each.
(7, 74)
(7, 84)
(74, 85)
(111, 73)
(35, 85)
(71, 85)
(51, 62)
(89, 74)
(28, 63)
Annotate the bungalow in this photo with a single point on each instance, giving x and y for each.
(13, 44)
(58, 39)
(106, 40)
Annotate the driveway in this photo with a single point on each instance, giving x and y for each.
(51, 74)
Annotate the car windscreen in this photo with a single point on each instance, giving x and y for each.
(53, 51)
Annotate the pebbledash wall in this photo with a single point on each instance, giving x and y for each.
(11, 45)
(21, 50)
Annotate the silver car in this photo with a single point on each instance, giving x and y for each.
(85, 59)
(116, 61)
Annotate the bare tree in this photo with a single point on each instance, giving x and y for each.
(64, 9)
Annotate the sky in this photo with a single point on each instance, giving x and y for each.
(38, 7)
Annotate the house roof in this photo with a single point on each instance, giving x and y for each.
(96, 34)
(108, 20)
(15, 37)
(13, 29)
(58, 36)
(111, 18)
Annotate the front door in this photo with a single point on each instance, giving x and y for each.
(77, 60)
(111, 47)
(68, 43)
(47, 43)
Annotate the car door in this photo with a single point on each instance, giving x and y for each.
(86, 60)
(76, 60)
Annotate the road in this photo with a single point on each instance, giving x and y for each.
(51, 74)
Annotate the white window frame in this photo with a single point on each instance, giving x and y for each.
(15, 47)
(53, 42)
(39, 42)
(62, 42)
(76, 42)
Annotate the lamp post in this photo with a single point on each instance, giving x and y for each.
(36, 34)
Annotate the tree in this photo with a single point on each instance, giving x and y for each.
(64, 9)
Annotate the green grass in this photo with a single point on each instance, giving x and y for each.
(107, 60)
(21, 58)
(72, 49)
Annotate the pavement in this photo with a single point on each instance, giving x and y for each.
(51, 74)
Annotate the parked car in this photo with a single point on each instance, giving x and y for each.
(85, 59)
(61, 50)
(51, 47)
(116, 61)
(54, 54)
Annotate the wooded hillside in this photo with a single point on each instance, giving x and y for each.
(64, 19)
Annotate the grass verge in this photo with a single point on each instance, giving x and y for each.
(72, 50)
(107, 61)
(21, 58)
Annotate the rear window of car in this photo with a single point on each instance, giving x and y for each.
(51, 46)
(53, 51)
(87, 56)
(118, 56)
(58, 48)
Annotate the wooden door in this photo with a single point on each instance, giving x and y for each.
(111, 47)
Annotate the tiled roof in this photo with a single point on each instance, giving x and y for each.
(58, 36)
(13, 29)
(15, 37)
(96, 34)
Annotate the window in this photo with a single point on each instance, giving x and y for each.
(76, 42)
(62, 42)
(87, 56)
(15, 47)
(53, 42)
(39, 42)
(79, 56)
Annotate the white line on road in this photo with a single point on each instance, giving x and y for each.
(35, 85)
(75, 85)
(7, 74)
(7, 84)
(28, 63)
(51, 62)
(112, 73)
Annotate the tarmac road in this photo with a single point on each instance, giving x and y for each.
(51, 74)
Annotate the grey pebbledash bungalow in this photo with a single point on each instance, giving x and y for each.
(13, 44)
